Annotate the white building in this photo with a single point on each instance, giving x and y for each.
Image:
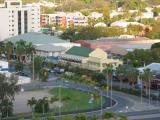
(125, 24)
(95, 15)
(100, 24)
(115, 13)
(66, 19)
(18, 19)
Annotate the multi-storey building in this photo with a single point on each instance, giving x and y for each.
(18, 19)
(64, 19)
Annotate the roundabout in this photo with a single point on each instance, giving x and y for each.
(86, 102)
(119, 102)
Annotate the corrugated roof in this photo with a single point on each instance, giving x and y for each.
(79, 51)
(50, 48)
(37, 38)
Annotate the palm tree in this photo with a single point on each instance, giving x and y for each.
(109, 115)
(9, 47)
(7, 93)
(132, 75)
(32, 102)
(45, 104)
(109, 75)
(20, 49)
(7, 107)
(147, 76)
(120, 72)
(30, 49)
(2, 48)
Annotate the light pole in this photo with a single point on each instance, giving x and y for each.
(33, 68)
(113, 74)
(149, 90)
(107, 82)
(101, 104)
(59, 101)
(140, 76)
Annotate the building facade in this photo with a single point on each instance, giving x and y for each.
(64, 20)
(92, 59)
(18, 19)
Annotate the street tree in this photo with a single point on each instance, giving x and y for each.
(32, 102)
(8, 89)
(121, 73)
(9, 48)
(19, 66)
(147, 77)
(132, 75)
(81, 117)
(7, 108)
(38, 65)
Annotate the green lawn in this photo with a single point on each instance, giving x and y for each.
(79, 100)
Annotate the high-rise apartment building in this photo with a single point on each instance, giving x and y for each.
(16, 19)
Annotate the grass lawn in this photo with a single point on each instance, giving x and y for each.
(79, 100)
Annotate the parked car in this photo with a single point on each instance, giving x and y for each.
(139, 86)
(22, 74)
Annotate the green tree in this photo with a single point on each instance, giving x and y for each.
(19, 66)
(155, 32)
(132, 75)
(109, 115)
(134, 30)
(44, 75)
(2, 49)
(9, 47)
(42, 105)
(81, 117)
(7, 94)
(32, 102)
(7, 108)
(38, 64)
(120, 73)
(30, 49)
(155, 45)
(67, 118)
(98, 77)
(147, 77)
(21, 50)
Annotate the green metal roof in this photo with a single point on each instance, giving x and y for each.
(79, 51)
(37, 38)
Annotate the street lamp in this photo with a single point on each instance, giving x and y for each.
(59, 101)
(33, 68)
(113, 74)
(140, 76)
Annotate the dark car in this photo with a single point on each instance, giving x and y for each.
(22, 74)
(139, 86)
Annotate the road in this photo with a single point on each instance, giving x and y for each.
(123, 100)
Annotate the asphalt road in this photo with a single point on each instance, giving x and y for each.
(122, 101)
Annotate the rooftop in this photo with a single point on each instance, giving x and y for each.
(37, 38)
(50, 48)
(79, 51)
